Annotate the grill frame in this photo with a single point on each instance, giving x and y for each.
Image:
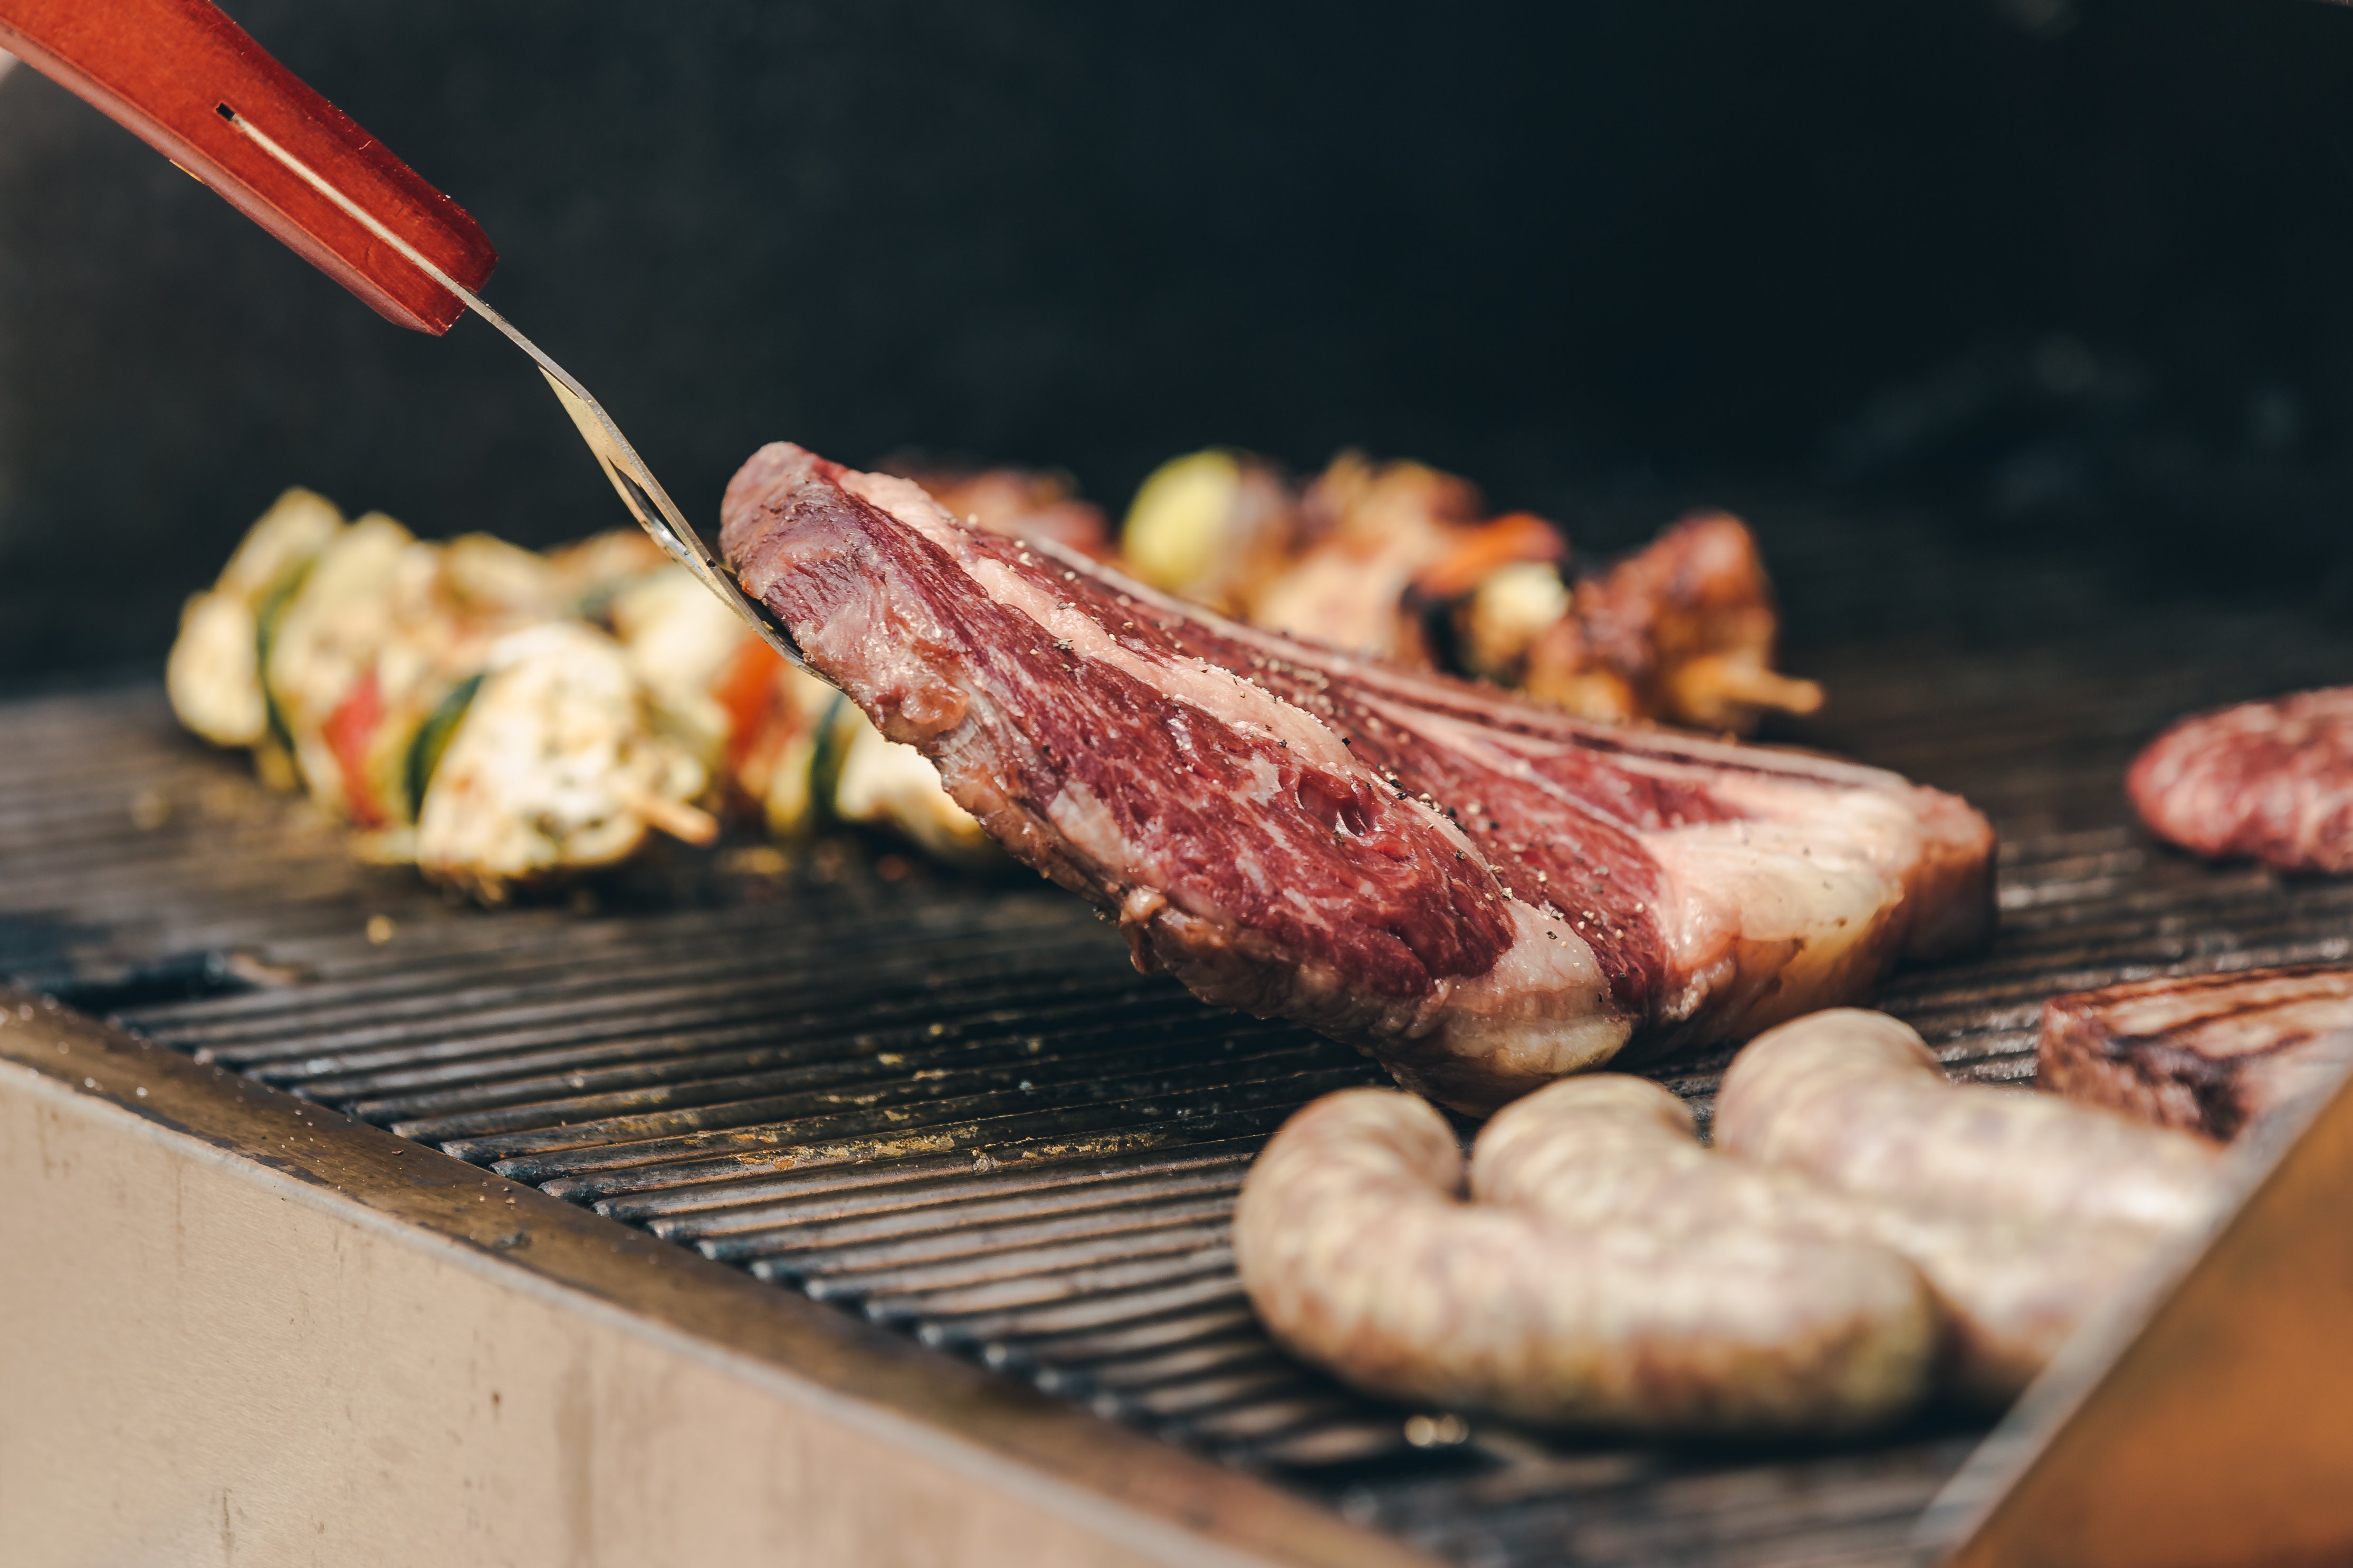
(1145, 1501)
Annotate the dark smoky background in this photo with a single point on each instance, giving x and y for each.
(2067, 277)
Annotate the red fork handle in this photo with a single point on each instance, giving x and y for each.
(166, 68)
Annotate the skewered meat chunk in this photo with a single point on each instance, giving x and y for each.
(2272, 781)
(325, 643)
(446, 605)
(1483, 894)
(2210, 1054)
(380, 655)
(556, 766)
(792, 747)
(1374, 532)
(1711, 1315)
(1683, 630)
(714, 680)
(1393, 561)
(366, 653)
(1360, 562)
(589, 571)
(1504, 615)
(887, 784)
(353, 659)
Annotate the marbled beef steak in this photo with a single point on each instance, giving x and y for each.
(1484, 895)
(2270, 780)
(2206, 1053)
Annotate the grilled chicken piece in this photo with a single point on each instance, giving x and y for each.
(2272, 781)
(885, 784)
(590, 572)
(1484, 893)
(405, 748)
(556, 766)
(2210, 1054)
(694, 654)
(370, 644)
(447, 604)
(791, 747)
(1378, 559)
(1377, 530)
(363, 653)
(1682, 630)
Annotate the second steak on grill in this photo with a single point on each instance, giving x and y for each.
(1483, 894)
(2205, 1053)
(2270, 780)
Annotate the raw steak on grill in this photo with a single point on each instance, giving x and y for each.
(1483, 894)
(2270, 780)
(2209, 1053)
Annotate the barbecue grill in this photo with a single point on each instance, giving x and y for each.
(915, 1155)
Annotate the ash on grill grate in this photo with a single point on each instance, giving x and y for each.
(950, 1105)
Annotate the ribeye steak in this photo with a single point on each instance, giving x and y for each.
(1483, 894)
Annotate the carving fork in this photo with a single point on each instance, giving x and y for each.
(188, 80)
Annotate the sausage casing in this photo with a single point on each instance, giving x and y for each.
(2026, 1212)
(1360, 1253)
(1856, 1099)
(2010, 1292)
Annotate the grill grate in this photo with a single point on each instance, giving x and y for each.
(948, 1104)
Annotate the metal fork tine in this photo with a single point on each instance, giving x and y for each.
(643, 493)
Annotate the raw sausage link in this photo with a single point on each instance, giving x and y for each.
(2012, 1292)
(1588, 1150)
(1857, 1100)
(1359, 1253)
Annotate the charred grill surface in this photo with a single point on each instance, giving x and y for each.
(951, 1106)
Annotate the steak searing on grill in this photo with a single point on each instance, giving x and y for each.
(1483, 894)
(2270, 780)
(2206, 1053)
